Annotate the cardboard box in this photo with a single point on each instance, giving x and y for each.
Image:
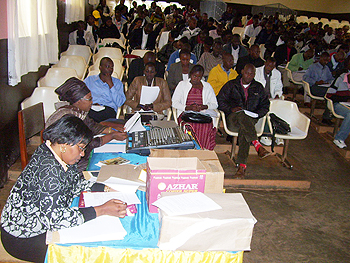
(227, 229)
(173, 175)
(214, 180)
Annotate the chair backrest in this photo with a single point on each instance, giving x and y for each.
(118, 67)
(330, 106)
(79, 50)
(96, 72)
(112, 40)
(262, 50)
(110, 52)
(163, 39)
(56, 76)
(306, 86)
(75, 62)
(238, 30)
(288, 111)
(46, 95)
(30, 122)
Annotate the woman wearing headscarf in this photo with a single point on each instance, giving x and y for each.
(78, 97)
(40, 201)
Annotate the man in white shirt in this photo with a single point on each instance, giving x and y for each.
(252, 30)
(82, 36)
(329, 36)
(191, 30)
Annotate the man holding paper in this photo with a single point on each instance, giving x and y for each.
(244, 101)
(148, 92)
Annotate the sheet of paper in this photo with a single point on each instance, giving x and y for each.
(123, 185)
(134, 124)
(111, 147)
(102, 228)
(347, 104)
(326, 85)
(99, 198)
(149, 94)
(185, 204)
(251, 114)
(211, 113)
(97, 107)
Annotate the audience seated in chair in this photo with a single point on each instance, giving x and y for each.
(235, 48)
(179, 71)
(108, 29)
(340, 93)
(222, 73)
(285, 52)
(137, 66)
(133, 95)
(175, 57)
(82, 36)
(244, 93)
(143, 38)
(252, 58)
(209, 60)
(106, 91)
(336, 63)
(318, 76)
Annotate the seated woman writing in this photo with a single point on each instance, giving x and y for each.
(41, 198)
(78, 96)
(196, 95)
(133, 95)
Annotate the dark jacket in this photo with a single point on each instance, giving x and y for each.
(137, 67)
(108, 32)
(242, 50)
(242, 61)
(281, 54)
(232, 95)
(135, 39)
(338, 69)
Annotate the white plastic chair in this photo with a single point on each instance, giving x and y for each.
(338, 117)
(315, 20)
(79, 50)
(136, 52)
(46, 95)
(75, 62)
(302, 19)
(262, 51)
(163, 39)
(313, 98)
(299, 124)
(110, 52)
(290, 77)
(238, 30)
(259, 127)
(118, 69)
(112, 40)
(55, 77)
(324, 21)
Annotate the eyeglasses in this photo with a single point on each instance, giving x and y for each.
(82, 149)
(89, 99)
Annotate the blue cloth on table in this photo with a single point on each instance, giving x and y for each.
(135, 159)
(142, 229)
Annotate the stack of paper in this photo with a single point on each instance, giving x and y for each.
(102, 228)
(99, 198)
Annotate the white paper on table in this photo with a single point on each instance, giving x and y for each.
(251, 114)
(185, 204)
(102, 228)
(149, 94)
(123, 185)
(134, 124)
(326, 85)
(111, 147)
(99, 198)
(97, 107)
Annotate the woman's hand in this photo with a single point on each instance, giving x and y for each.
(193, 107)
(119, 136)
(113, 207)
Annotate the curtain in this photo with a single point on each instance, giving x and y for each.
(32, 36)
(75, 10)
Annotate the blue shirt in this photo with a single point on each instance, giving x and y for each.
(101, 93)
(317, 72)
(175, 55)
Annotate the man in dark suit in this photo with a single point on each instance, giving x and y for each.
(143, 38)
(137, 66)
(252, 58)
(285, 52)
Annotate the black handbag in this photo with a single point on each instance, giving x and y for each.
(279, 126)
(196, 117)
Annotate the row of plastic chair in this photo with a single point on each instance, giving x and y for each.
(286, 110)
(334, 23)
